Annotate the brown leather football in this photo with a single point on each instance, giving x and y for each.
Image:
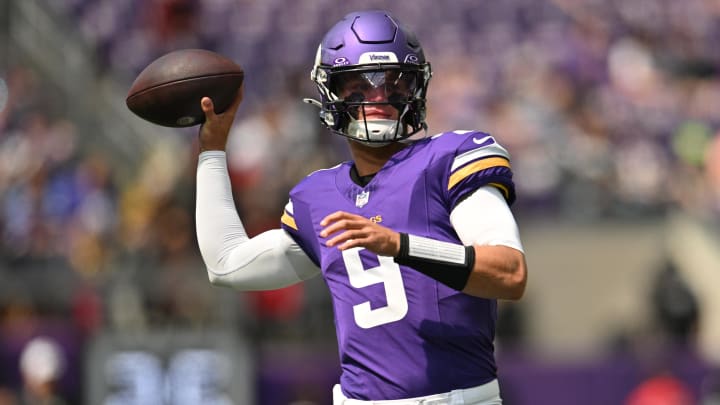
(168, 91)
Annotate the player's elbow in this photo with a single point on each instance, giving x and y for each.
(517, 281)
(220, 278)
(227, 281)
(216, 279)
(503, 274)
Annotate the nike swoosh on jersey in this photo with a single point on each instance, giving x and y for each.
(484, 141)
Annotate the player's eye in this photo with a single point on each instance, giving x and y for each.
(390, 82)
(361, 87)
(403, 84)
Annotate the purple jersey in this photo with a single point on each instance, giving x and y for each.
(400, 333)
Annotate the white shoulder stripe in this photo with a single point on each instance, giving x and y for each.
(455, 132)
(325, 170)
(493, 149)
(289, 207)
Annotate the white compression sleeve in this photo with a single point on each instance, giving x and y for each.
(484, 218)
(267, 261)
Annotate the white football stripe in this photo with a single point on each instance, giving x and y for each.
(479, 153)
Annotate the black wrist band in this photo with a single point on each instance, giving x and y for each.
(448, 263)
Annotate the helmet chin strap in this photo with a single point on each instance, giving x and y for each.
(416, 137)
(376, 133)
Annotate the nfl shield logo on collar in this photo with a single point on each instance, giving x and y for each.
(362, 199)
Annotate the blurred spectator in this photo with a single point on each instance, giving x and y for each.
(41, 363)
(675, 306)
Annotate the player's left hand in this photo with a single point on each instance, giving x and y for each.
(356, 231)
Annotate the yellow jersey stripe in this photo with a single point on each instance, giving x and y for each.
(475, 167)
(288, 220)
(502, 189)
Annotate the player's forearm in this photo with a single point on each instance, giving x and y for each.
(500, 272)
(267, 261)
(484, 221)
(486, 271)
(218, 225)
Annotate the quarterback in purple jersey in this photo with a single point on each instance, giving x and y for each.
(414, 237)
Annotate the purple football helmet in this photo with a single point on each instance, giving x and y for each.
(366, 62)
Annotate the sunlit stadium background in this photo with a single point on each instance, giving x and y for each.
(610, 109)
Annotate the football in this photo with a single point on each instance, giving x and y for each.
(168, 91)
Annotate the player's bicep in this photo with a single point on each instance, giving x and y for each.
(484, 218)
(270, 260)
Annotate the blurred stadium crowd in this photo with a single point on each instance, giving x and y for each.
(609, 109)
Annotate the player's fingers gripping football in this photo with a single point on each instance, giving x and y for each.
(214, 131)
(347, 231)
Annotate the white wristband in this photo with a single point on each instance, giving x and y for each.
(432, 249)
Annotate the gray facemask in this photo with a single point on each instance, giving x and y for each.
(379, 133)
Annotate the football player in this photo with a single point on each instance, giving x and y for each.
(414, 236)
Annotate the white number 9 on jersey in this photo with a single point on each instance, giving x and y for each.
(387, 273)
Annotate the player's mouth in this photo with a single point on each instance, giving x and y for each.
(377, 114)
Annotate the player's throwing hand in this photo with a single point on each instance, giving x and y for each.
(214, 131)
(358, 231)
